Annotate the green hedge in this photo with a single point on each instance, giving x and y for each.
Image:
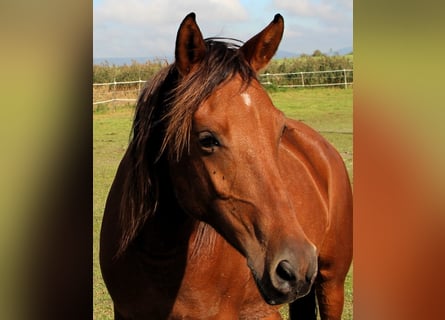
(310, 63)
(105, 72)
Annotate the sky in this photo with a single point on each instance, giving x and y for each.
(147, 28)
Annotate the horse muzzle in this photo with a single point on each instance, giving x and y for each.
(288, 277)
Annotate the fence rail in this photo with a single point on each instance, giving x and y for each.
(124, 91)
(128, 91)
(343, 77)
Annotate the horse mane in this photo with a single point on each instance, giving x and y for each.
(162, 126)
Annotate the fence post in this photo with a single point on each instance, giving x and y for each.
(346, 80)
(114, 95)
(302, 79)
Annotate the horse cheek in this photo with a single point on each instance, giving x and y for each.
(191, 189)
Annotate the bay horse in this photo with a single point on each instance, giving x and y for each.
(223, 208)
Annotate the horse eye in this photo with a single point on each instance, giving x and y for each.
(208, 141)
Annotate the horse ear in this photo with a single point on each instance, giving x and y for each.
(190, 46)
(261, 48)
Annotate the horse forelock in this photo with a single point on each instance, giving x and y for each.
(221, 63)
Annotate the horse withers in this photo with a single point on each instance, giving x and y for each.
(223, 208)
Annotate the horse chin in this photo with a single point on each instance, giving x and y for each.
(275, 297)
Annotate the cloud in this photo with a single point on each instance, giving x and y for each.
(136, 28)
(152, 24)
(322, 10)
(316, 24)
(163, 12)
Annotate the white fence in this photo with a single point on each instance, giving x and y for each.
(128, 91)
(343, 78)
(125, 91)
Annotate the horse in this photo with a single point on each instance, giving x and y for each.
(222, 207)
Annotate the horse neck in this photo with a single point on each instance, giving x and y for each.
(168, 229)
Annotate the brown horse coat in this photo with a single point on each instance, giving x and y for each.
(227, 210)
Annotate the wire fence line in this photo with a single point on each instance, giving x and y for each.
(128, 91)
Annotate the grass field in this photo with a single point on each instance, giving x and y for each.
(328, 110)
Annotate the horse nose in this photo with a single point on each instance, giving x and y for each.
(285, 271)
(295, 277)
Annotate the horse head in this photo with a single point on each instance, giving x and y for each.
(225, 165)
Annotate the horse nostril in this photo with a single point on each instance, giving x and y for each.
(285, 271)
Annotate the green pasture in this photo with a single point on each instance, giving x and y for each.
(328, 110)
